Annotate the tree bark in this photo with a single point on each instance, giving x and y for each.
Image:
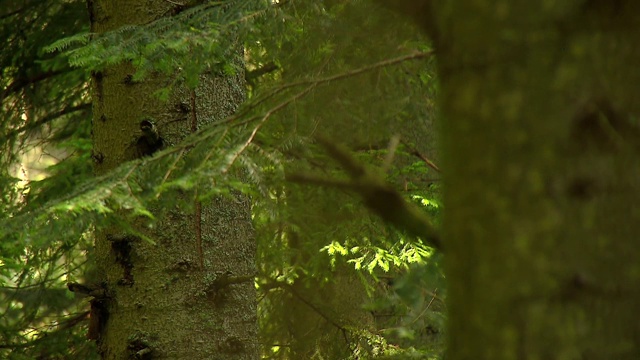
(542, 177)
(172, 299)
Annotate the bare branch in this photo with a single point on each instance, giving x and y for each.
(377, 195)
(421, 156)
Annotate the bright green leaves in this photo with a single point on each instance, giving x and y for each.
(370, 258)
(424, 201)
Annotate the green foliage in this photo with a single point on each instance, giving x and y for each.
(307, 230)
(44, 115)
(196, 39)
(337, 69)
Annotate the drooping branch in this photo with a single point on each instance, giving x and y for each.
(377, 195)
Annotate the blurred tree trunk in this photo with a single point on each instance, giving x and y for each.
(324, 314)
(160, 300)
(323, 306)
(541, 155)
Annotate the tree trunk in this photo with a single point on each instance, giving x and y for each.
(541, 152)
(164, 299)
(323, 316)
(323, 306)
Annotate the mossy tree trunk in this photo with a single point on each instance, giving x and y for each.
(541, 152)
(159, 300)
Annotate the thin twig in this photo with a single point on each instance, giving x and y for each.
(172, 167)
(319, 81)
(433, 297)
(266, 116)
(197, 216)
(423, 157)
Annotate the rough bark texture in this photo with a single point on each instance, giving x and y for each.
(162, 302)
(541, 155)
